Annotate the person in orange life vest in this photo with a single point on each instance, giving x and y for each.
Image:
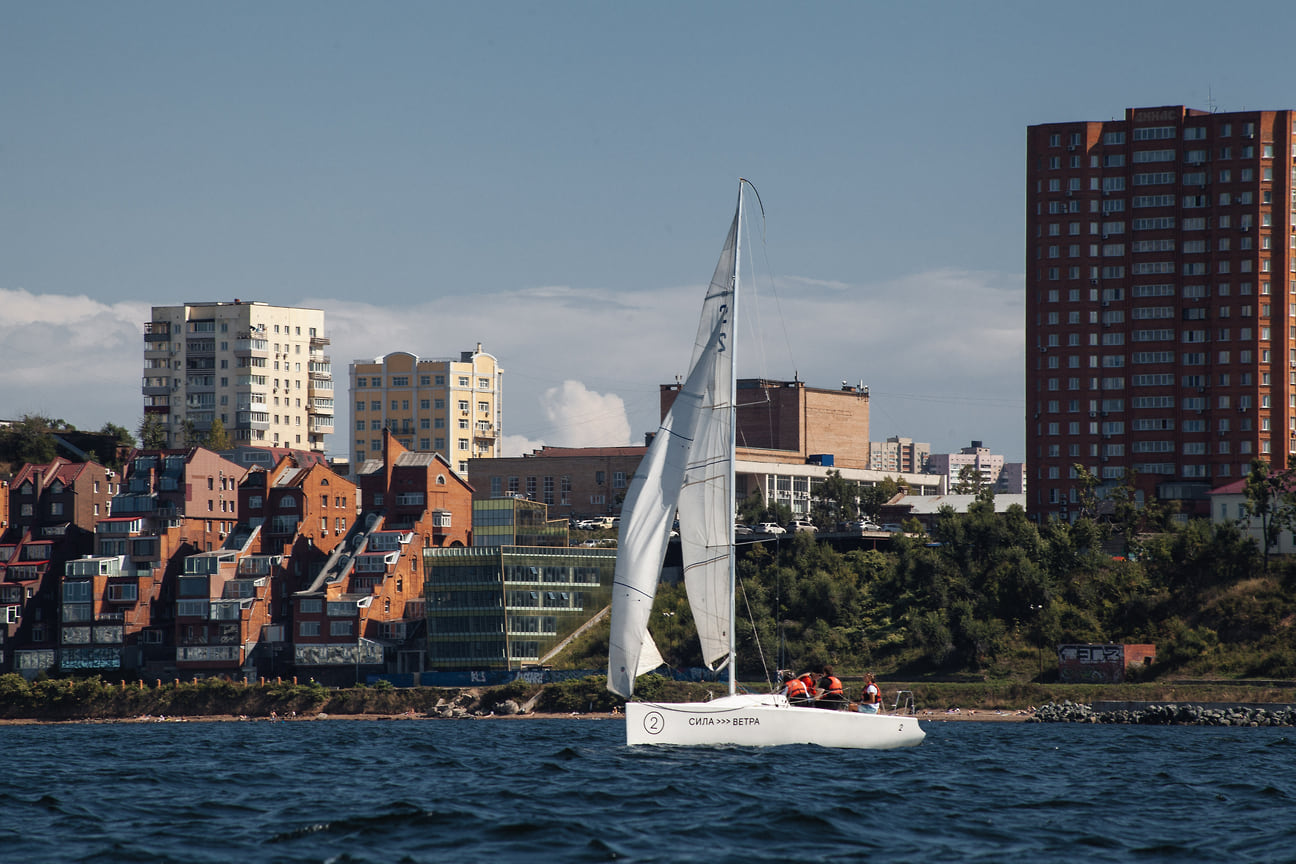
(809, 681)
(872, 698)
(832, 696)
(795, 691)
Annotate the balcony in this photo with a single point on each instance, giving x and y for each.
(321, 425)
(156, 386)
(251, 345)
(253, 419)
(321, 370)
(157, 331)
(321, 385)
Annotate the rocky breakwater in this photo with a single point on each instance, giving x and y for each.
(1167, 714)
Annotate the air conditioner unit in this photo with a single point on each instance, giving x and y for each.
(1071, 148)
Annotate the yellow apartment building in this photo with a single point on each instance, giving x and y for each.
(451, 407)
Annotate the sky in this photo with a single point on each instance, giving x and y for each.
(555, 180)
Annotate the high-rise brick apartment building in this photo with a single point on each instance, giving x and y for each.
(1159, 328)
(260, 369)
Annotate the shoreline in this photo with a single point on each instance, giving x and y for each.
(930, 715)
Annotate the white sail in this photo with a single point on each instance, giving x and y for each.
(646, 518)
(706, 501)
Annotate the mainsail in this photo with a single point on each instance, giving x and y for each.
(706, 500)
(686, 468)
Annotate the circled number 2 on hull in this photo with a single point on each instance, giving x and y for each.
(654, 723)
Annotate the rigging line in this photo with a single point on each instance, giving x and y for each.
(773, 287)
(756, 635)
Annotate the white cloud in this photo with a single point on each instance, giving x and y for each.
(583, 418)
(72, 358)
(941, 352)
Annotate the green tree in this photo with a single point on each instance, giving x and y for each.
(30, 439)
(970, 481)
(217, 438)
(1271, 499)
(836, 500)
(872, 498)
(152, 433)
(120, 434)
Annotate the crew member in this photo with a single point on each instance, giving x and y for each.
(795, 691)
(809, 681)
(872, 699)
(831, 696)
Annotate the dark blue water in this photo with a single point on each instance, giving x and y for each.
(568, 790)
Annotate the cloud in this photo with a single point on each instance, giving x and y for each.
(942, 352)
(583, 418)
(72, 358)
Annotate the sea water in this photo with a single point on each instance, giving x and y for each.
(539, 790)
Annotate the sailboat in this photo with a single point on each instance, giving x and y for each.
(689, 470)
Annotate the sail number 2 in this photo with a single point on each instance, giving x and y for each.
(654, 722)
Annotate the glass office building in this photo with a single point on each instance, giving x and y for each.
(516, 522)
(509, 607)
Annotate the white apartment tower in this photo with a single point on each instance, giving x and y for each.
(451, 407)
(260, 369)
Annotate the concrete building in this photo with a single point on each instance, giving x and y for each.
(900, 455)
(1158, 300)
(978, 458)
(570, 481)
(795, 422)
(259, 369)
(451, 407)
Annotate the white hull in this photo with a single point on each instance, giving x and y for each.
(765, 721)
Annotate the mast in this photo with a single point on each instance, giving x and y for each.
(733, 451)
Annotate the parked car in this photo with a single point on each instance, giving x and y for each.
(859, 526)
(893, 527)
(801, 525)
(743, 531)
(769, 528)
